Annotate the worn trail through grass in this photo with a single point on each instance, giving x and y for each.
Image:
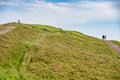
(7, 30)
(114, 46)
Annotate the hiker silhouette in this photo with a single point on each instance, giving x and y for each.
(104, 37)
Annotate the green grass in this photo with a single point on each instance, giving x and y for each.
(42, 52)
(116, 42)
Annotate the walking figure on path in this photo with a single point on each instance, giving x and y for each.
(104, 37)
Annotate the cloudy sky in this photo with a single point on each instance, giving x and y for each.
(91, 17)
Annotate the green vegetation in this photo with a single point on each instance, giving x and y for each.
(116, 42)
(41, 52)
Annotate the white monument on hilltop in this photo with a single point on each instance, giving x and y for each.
(18, 21)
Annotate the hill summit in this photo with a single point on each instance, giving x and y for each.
(42, 52)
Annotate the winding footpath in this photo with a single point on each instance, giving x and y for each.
(115, 47)
(7, 30)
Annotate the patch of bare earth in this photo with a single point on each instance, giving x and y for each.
(7, 29)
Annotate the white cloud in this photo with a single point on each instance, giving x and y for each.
(66, 13)
(3, 3)
(61, 14)
(10, 3)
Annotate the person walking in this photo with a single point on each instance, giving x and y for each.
(104, 37)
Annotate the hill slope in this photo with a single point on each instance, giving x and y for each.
(41, 52)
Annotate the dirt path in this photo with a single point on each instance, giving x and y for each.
(115, 47)
(7, 30)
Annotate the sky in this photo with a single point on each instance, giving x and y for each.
(90, 17)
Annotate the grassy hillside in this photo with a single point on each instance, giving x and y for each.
(41, 52)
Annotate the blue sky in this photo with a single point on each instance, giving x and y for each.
(91, 17)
